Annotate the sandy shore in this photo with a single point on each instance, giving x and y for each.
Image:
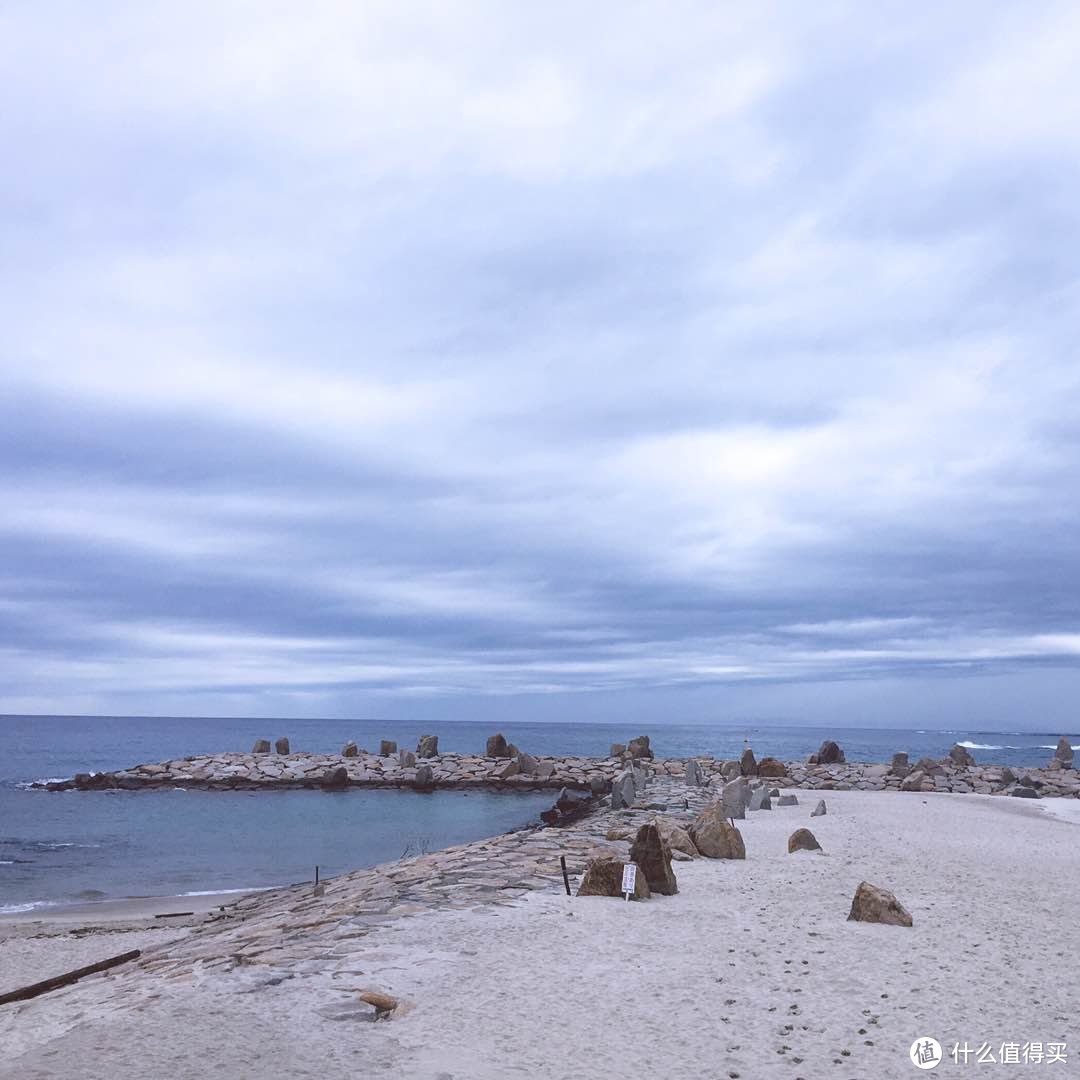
(752, 971)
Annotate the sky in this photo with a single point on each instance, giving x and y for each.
(672, 361)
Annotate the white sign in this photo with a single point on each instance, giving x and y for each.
(629, 878)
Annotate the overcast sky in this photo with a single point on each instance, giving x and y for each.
(671, 361)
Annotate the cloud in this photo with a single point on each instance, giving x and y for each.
(585, 363)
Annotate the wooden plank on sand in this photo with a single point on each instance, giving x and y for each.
(43, 987)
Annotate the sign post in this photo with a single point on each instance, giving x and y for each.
(629, 879)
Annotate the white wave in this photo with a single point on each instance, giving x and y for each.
(18, 909)
(228, 892)
(7, 862)
(983, 746)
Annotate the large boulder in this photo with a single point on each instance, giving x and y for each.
(676, 836)
(1063, 755)
(875, 904)
(692, 776)
(829, 753)
(770, 766)
(928, 766)
(349, 749)
(335, 778)
(505, 771)
(748, 763)
(730, 770)
(281, 746)
(603, 877)
(802, 840)
(387, 748)
(653, 856)
(428, 746)
(900, 766)
(526, 764)
(618, 749)
(406, 758)
(425, 778)
(496, 746)
(598, 785)
(959, 755)
(913, 781)
(759, 799)
(262, 746)
(639, 747)
(714, 837)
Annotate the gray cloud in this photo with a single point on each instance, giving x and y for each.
(361, 359)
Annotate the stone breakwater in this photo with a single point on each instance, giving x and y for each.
(596, 775)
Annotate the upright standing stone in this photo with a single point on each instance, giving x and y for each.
(603, 877)
(734, 799)
(747, 763)
(730, 770)
(820, 810)
(829, 754)
(262, 746)
(424, 778)
(406, 758)
(759, 799)
(387, 748)
(526, 763)
(496, 746)
(900, 766)
(1064, 753)
(623, 793)
(639, 747)
(959, 755)
(281, 746)
(693, 774)
(428, 746)
(349, 749)
(653, 856)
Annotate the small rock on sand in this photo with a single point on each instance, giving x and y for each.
(382, 1003)
(820, 810)
(759, 799)
(802, 840)
(787, 800)
(875, 904)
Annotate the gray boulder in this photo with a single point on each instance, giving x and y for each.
(387, 748)
(820, 810)
(526, 763)
(424, 778)
(692, 775)
(505, 771)
(262, 746)
(1022, 792)
(597, 785)
(787, 800)
(428, 746)
(900, 766)
(730, 770)
(623, 792)
(734, 798)
(759, 799)
(406, 758)
(281, 746)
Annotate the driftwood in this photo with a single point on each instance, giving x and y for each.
(32, 991)
(173, 914)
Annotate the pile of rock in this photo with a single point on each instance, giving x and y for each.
(1063, 756)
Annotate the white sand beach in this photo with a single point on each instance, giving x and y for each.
(751, 971)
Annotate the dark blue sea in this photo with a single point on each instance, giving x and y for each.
(77, 846)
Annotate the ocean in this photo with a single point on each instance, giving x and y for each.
(81, 846)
